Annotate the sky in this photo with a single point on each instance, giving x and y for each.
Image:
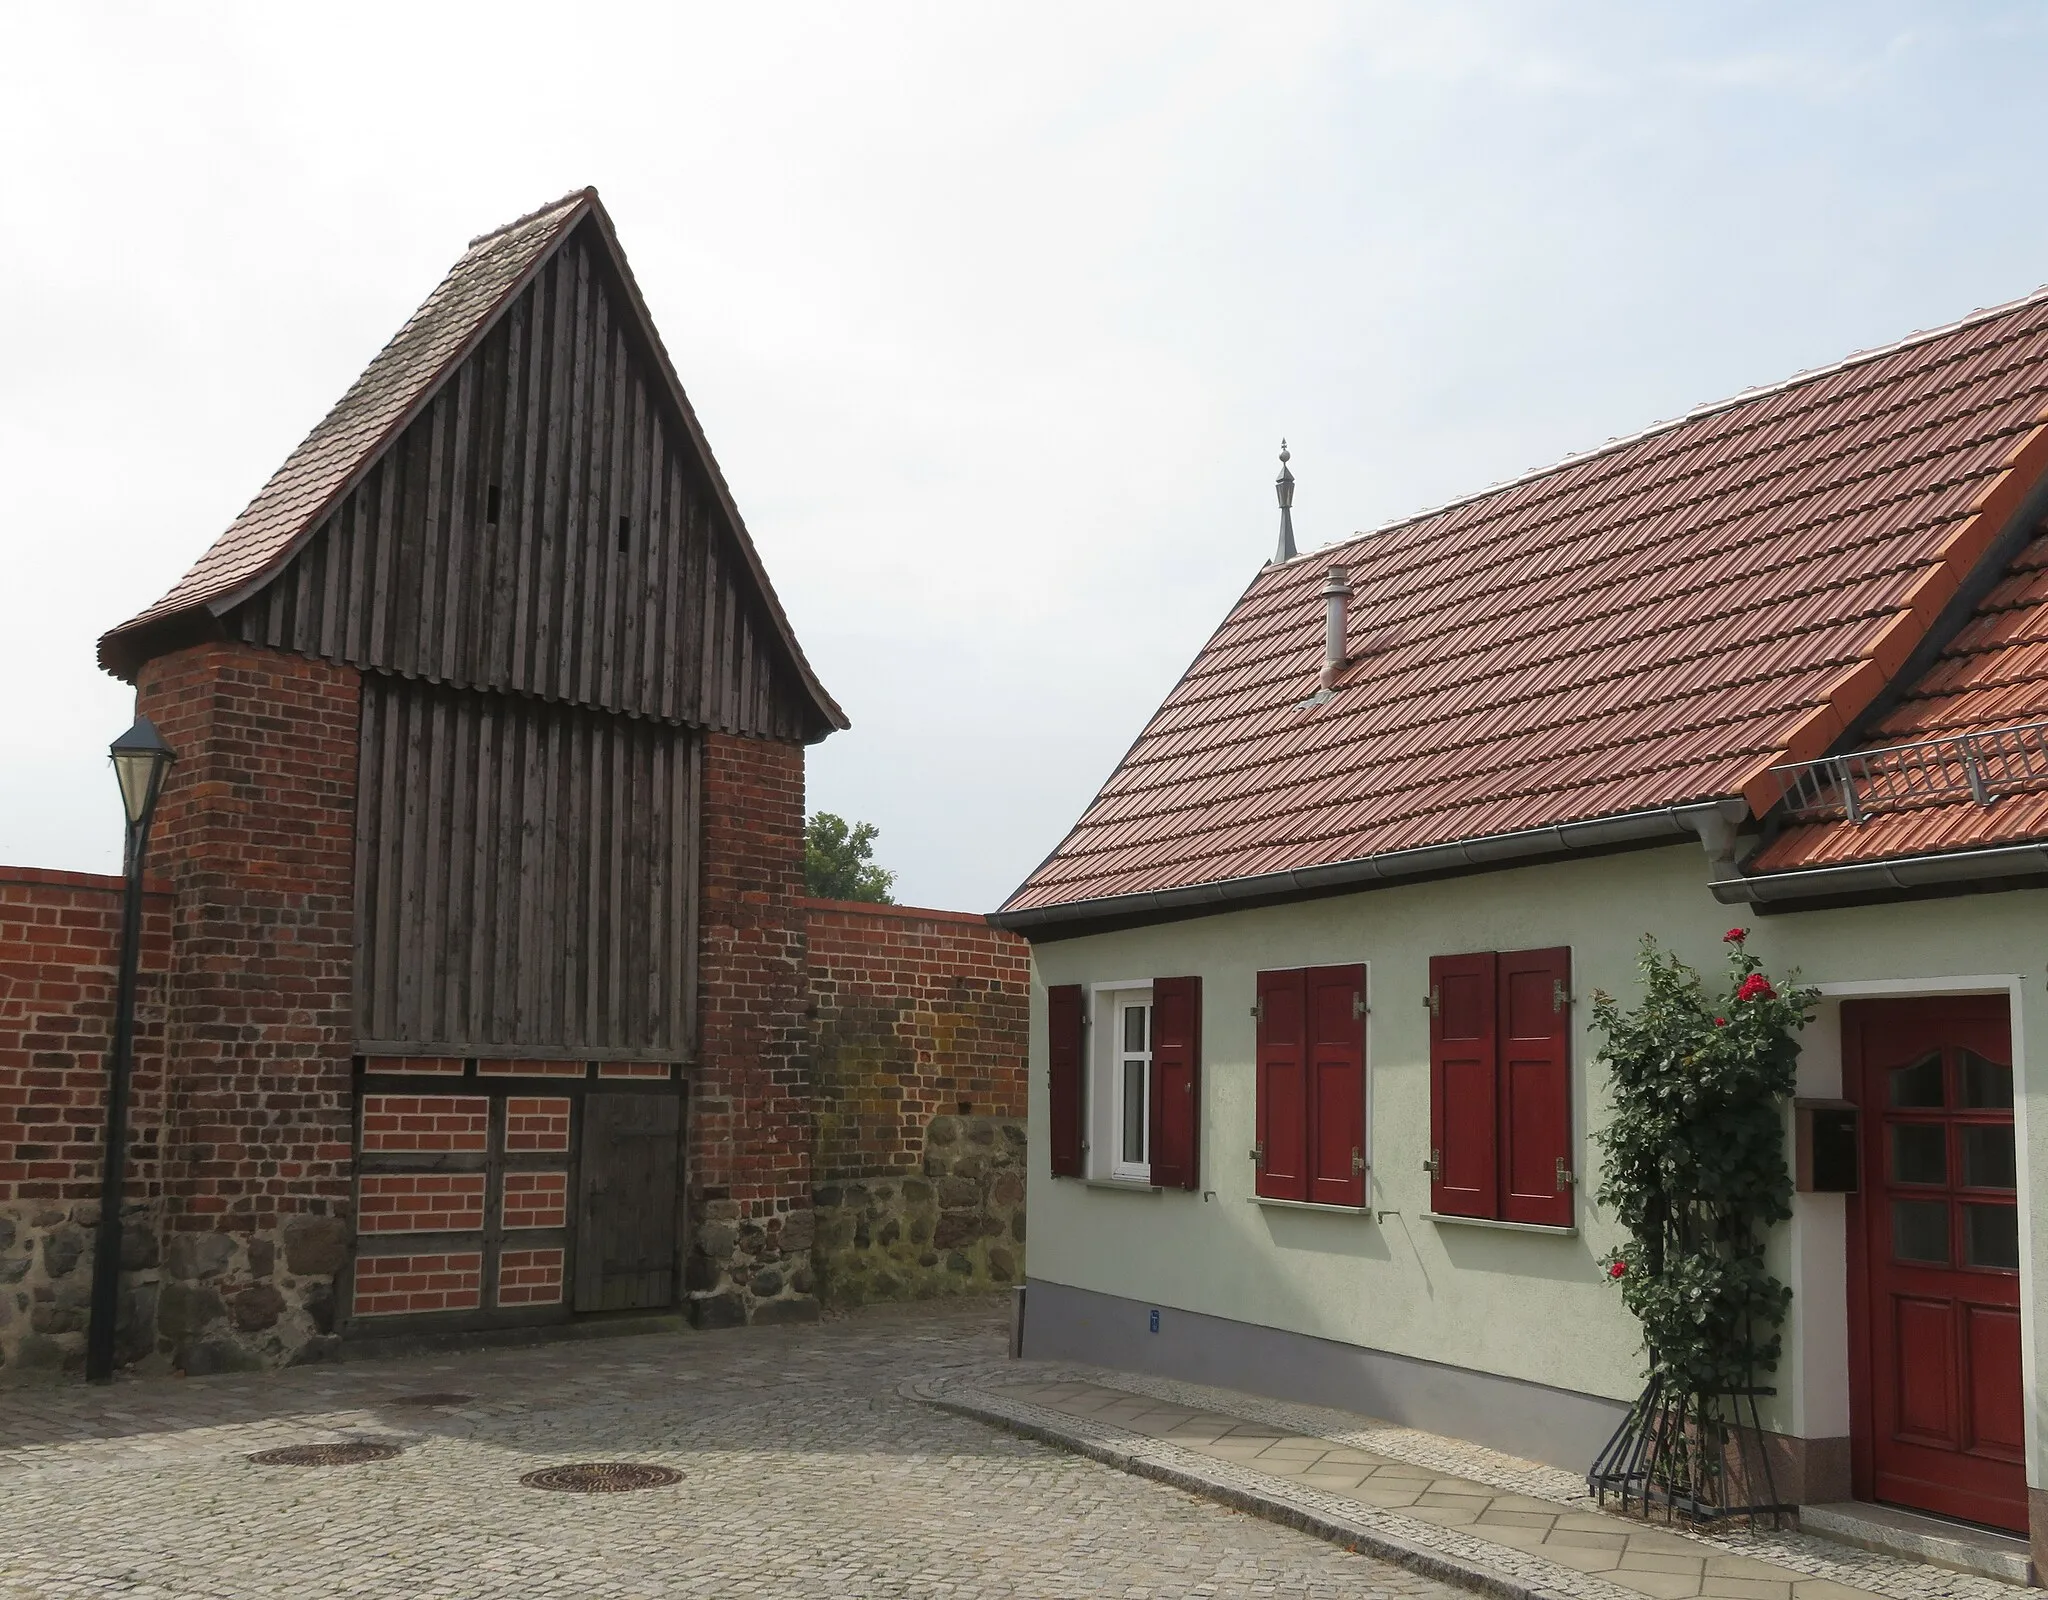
(994, 315)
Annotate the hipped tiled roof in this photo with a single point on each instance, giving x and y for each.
(1653, 624)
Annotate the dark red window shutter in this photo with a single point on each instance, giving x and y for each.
(1535, 1086)
(1463, 1092)
(1336, 1102)
(1282, 1130)
(1065, 1026)
(1176, 1082)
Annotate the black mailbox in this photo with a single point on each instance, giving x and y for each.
(1830, 1154)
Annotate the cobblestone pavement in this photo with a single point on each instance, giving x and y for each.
(806, 1473)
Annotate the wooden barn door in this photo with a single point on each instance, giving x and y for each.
(1937, 1222)
(627, 1229)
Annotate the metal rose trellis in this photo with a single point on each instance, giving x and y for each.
(1693, 1164)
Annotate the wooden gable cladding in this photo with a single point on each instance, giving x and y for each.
(526, 877)
(545, 526)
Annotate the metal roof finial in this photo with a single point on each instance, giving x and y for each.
(1283, 486)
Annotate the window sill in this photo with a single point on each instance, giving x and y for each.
(1309, 1205)
(1510, 1227)
(1122, 1185)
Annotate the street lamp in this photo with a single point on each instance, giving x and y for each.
(141, 758)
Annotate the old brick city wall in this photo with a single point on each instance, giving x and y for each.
(919, 1032)
(256, 833)
(749, 1167)
(238, 1188)
(60, 936)
(856, 1115)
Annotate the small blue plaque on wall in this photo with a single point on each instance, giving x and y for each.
(1155, 1319)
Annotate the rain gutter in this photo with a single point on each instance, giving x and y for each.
(1897, 872)
(1711, 821)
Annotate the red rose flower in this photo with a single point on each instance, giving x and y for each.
(1617, 1269)
(1735, 936)
(1756, 987)
(1720, 1022)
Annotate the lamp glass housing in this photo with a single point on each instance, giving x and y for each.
(140, 760)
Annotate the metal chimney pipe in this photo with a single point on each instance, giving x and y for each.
(1336, 619)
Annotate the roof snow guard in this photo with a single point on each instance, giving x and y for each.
(1631, 639)
(399, 383)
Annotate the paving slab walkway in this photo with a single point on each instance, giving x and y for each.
(1455, 1510)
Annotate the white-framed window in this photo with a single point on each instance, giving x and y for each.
(1133, 1146)
(1120, 1106)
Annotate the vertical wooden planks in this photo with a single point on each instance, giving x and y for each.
(560, 410)
(526, 874)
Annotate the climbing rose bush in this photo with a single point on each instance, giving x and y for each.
(1693, 1162)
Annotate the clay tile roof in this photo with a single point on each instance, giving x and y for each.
(402, 375)
(1992, 675)
(1652, 624)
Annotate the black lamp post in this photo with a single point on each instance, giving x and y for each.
(141, 758)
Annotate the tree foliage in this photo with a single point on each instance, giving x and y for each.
(1694, 1164)
(838, 862)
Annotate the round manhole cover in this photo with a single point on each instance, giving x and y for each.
(325, 1455)
(601, 1477)
(448, 1398)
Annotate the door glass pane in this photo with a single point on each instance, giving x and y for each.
(1918, 1086)
(1989, 1158)
(1134, 1028)
(1920, 1231)
(1987, 1085)
(1991, 1236)
(1919, 1152)
(1134, 1111)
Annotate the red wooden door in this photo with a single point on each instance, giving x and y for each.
(1938, 1360)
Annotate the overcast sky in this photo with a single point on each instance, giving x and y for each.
(994, 315)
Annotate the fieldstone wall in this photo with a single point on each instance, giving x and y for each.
(956, 1226)
(46, 1283)
(240, 1302)
(920, 1022)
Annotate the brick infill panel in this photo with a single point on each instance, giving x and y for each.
(396, 1285)
(502, 1067)
(530, 1277)
(421, 1202)
(400, 1122)
(537, 1122)
(536, 1200)
(417, 1066)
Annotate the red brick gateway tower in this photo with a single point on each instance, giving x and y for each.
(482, 858)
